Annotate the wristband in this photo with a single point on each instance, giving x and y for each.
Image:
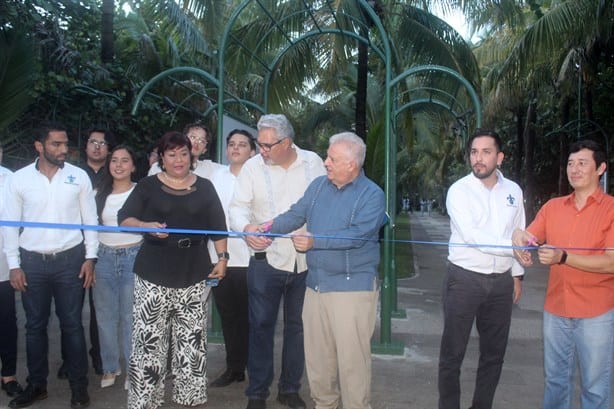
(563, 258)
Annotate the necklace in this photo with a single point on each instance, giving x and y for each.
(176, 181)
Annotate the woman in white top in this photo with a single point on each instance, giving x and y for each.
(114, 288)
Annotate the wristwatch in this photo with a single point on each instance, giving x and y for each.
(93, 259)
(223, 255)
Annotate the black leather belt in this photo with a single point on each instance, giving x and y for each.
(260, 255)
(184, 243)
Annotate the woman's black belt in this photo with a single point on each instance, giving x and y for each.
(184, 243)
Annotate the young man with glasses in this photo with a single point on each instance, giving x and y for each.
(200, 137)
(268, 184)
(97, 148)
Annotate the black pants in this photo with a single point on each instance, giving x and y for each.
(231, 301)
(8, 329)
(487, 299)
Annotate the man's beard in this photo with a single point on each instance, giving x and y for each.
(53, 160)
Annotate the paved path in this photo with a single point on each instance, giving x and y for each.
(409, 381)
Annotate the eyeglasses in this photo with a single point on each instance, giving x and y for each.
(268, 146)
(97, 144)
(195, 139)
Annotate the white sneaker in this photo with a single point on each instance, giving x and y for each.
(108, 379)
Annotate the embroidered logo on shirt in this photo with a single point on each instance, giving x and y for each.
(70, 179)
(511, 199)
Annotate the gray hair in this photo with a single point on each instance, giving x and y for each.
(279, 123)
(357, 147)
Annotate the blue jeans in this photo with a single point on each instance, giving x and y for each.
(266, 286)
(114, 298)
(591, 341)
(54, 277)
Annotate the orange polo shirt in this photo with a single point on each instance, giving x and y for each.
(571, 292)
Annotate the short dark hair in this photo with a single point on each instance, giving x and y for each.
(250, 137)
(200, 125)
(485, 132)
(173, 140)
(43, 130)
(599, 154)
(108, 134)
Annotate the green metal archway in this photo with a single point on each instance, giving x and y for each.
(263, 59)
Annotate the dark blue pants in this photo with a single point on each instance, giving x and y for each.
(8, 329)
(266, 286)
(54, 277)
(487, 299)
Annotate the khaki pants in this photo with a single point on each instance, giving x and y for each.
(338, 327)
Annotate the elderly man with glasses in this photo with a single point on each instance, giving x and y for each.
(268, 185)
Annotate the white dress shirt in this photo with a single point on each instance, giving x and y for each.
(67, 198)
(5, 174)
(479, 215)
(203, 168)
(264, 191)
(224, 182)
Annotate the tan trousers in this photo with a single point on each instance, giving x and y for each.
(338, 327)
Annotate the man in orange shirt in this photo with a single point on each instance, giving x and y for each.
(578, 232)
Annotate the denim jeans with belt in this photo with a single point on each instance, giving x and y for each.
(114, 299)
(266, 286)
(587, 341)
(54, 276)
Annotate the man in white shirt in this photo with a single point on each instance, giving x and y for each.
(268, 185)
(8, 315)
(48, 263)
(231, 292)
(483, 278)
(200, 136)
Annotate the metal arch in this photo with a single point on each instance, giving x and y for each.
(477, 106)
(385, 345)
(577, 125)
(165, 74)
(449, 107)
(302, 38)
(236, 101)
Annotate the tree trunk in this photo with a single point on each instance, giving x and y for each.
(361, 90)
(519, 114)
(529, 173)
(563, 146)
(106, 46)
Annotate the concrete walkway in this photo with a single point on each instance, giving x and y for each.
(408, 381)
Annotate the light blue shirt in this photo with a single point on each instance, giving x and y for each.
(345, 223)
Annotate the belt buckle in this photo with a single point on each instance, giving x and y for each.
(184, 243)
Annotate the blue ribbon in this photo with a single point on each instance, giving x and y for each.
(67, 226)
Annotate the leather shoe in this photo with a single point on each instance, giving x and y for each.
(228, 377)
(80, 399)
(291, 400)
(12, 388)
(30, 395)
(256, 404)
(63, 371)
